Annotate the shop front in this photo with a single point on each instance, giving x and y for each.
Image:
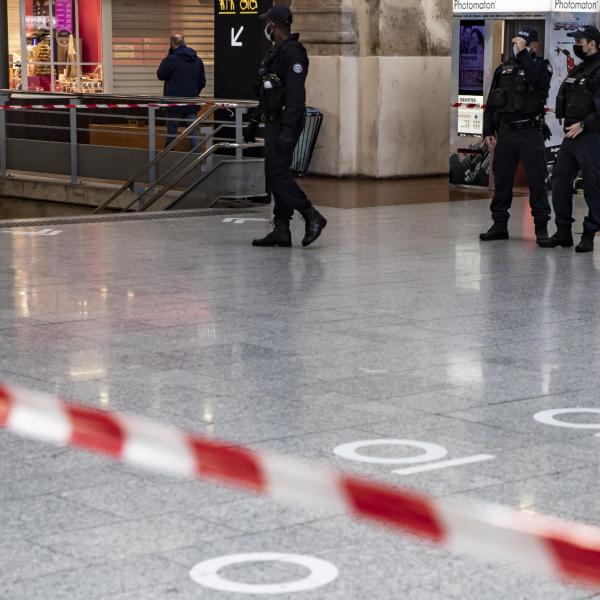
(482, 34)
(101, 46)
(56, 45)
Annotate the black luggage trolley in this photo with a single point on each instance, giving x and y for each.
(307, 142)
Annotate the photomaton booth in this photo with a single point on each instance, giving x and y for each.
(482, 31)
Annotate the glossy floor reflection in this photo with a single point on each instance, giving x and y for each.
(399, 324)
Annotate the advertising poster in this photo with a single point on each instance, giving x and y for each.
(471, 74)
(562, 58)
(472, 50)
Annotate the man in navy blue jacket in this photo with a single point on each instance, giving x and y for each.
(184, 76)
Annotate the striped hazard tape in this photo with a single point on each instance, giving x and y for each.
(554, 547)
(469, 105)
(484, 106)
(111, 106)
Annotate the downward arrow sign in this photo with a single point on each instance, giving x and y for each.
(236, 36)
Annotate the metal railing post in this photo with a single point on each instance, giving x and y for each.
(152, 143)
(239, 132)
(73, 140)
(4, 99)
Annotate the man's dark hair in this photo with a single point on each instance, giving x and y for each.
(177, 40)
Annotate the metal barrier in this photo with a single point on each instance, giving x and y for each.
(110, 137)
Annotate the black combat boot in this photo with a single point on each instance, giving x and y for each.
(541, 233)
(563, 237)
(587, 242)
(498, 231)
(315, 223)
(280, 236)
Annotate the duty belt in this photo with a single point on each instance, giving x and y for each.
(534, 123)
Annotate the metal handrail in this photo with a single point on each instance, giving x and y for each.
(136, 97)
(174, 168)
(199, 159)
(146, 168)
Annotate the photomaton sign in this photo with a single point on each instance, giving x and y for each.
(501, 6)
(576, 5)
(478, 7)
(240, 44)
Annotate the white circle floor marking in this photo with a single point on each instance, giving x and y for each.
(431, 452)
(548, 417)
(207, 573)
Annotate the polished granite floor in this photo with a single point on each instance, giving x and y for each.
(399, 324)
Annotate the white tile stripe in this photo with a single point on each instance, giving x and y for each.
(443, 464)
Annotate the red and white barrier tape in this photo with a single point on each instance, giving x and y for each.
(484, 106)
(468, 105)
(108, 106)
(555, 547)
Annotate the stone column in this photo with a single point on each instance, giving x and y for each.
(380, 71)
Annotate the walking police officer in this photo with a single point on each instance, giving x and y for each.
(514, 125)
(282, 97)
(578, 103)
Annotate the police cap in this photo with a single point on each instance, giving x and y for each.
(589, 32)
(279, 13)
(528, 34)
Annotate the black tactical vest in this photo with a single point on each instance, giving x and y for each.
(270, 88)
(575, 99)
(514, 93)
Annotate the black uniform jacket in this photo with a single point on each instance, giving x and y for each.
(592, 122)
(289, 61)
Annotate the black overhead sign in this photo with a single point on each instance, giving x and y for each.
(240, 44)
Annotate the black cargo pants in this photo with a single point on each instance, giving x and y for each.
(581, 153)
(528, 147)
(288, 196)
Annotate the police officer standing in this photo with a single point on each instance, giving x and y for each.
(514, 125)
(282, 98)
(578, 103)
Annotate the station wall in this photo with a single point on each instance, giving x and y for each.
(380, 71)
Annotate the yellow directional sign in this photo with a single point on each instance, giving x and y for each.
(238, 7)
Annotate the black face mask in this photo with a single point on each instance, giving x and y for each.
(579, 53)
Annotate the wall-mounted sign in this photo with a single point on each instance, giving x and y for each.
(576, 5)
(240, 44)
(479, 7)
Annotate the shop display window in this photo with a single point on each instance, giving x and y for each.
(60, 46)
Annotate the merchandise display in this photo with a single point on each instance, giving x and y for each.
(61, 50)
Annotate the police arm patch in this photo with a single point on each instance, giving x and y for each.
(298, 68)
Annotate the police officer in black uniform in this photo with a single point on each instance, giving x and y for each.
(282, 96)
(578, 103)
(514, 125)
